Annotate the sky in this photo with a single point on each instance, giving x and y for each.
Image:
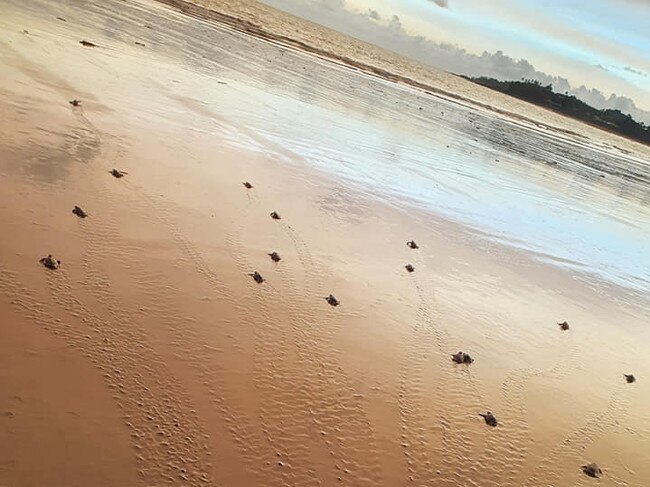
(594, 44)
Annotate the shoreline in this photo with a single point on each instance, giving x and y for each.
(194, 8)
(166, 363)
(631, 173)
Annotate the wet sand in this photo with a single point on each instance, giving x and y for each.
(151, 357)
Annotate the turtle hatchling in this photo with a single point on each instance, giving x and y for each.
(257, 277)
(489, 418)
(462, 358)
(50, 262)
(79, 212)
(592, 470)
(332, 300)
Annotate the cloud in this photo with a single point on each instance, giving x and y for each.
(332, 4)
(374, 15)
(395, 25)
(441, 3)
(635, 71)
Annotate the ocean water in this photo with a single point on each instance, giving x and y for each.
(568, 200)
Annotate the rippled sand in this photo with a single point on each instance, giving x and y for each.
(151, 357)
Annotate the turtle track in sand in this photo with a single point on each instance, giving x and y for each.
(189, 343)
(168, 439)
(576, 442)
(429, 344)
(513, 391)
(300, 375)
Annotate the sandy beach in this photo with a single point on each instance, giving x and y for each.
(151, 357)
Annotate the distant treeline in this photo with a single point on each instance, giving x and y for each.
(535, 92)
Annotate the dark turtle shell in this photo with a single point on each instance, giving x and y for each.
(79, 212)
(50, 262)
(332, 300)
(489, 418)
(257, 277)
(592, 470)
(462, 358)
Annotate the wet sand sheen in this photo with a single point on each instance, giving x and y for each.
(213, 379)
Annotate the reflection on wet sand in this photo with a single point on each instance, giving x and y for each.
(170, 346)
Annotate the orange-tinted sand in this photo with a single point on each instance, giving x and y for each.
(151, 357)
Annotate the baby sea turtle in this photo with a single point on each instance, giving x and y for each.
(247, 185)
(275, 215)
(79, 212)
(409, 267)
(629, 378)
(563, 326)
(332, 300)
(257, 277)
(489, 418)
(75, 102)
(462, 358)
(412, 244)
(87, 44)
(117, 173)
(275, 257)
(50, 262)
(592, 470)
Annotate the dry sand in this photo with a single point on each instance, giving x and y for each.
(151, 357)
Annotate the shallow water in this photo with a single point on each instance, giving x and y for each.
(156, 282)
(567, 200)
